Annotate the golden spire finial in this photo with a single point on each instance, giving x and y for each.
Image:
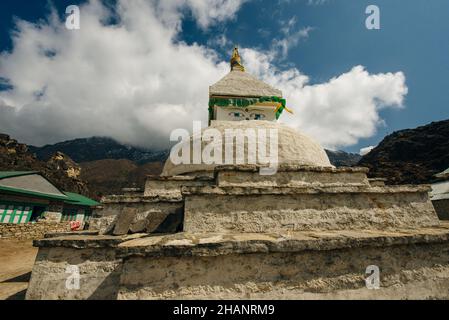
(236, 61)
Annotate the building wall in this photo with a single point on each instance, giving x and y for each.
(19, 210)
(31, 231)
(15, 213)
(76, 213)
(54, 212)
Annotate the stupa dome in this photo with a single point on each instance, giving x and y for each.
(294, 148)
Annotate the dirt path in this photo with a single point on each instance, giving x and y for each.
(16, 261)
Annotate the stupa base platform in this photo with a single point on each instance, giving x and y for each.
(413, 263)
(237, 199)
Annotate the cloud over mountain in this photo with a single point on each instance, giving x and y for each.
(338, 112)
(135, 81)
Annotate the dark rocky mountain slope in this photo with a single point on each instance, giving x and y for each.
(411, 156)
(103, 164)
(110, 176)
(59, 169)
(108, 166)
(99, 148)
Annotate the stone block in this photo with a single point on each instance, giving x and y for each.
(124, 221)
(99, 269)
(442, 208)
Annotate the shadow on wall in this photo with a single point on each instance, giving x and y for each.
(109, 288)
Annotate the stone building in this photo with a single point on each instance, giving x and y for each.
(440, 195)
(26, 196)
(212, 231)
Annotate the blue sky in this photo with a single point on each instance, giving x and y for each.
(413, 39)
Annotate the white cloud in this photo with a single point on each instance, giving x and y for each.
(291, 38)
(339, 112)
(220, 41)
(366, 150)
(208, 12)
(131, 81)
(135, 82)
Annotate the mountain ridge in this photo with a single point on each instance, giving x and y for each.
(62, 171)
(411, 156)
(99, 148)
(107, 166)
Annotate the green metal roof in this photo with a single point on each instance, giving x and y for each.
(11, 174)
(77, 199)
(32, 193)
(69, 197)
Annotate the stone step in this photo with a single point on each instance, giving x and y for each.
(246, 209)
(412, 263)
(290, 176)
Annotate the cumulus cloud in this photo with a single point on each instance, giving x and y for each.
(135, 82)
(291, 37)
(131, 81)
(208, 12)
(339, 112)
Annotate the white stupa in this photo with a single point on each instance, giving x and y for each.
(240, 101)
(204, 231)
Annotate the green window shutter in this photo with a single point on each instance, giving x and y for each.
(15, 215)
(27, 213)
(9, 214)
(29, 216)
(19, 214)
(2, 212)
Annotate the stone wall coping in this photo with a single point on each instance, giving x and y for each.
(72, 233)
(142, 199)
(377, 179)
(179, 178)
(85, 241)
(292, 167)
(132, 190)
(216, 244)
(256, 190)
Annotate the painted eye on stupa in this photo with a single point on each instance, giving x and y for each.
(236, 114)
(257, 116)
